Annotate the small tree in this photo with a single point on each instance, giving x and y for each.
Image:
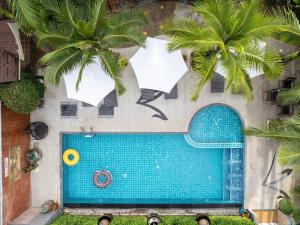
(21, 96)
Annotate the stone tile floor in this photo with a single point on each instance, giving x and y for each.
(32, 216)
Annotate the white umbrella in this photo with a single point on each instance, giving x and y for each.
(156, 68)
(94, 86)
(252, 72)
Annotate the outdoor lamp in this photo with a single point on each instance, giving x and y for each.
(153, 220)
(202, 220)
(105, 219)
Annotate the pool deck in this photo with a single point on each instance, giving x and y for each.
(131, 117)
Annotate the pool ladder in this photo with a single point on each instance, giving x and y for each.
(89, 134)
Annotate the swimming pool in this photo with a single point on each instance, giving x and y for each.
(203, 167)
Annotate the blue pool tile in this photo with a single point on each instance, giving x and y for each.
(160, 168)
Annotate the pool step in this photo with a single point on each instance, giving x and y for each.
(234, 184)
(195, 144)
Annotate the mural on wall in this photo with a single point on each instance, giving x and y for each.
(145, 102)
(15, 163)
(273, 183)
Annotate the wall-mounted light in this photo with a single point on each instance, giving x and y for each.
(202, 219)
(153, 220)
(105, 219)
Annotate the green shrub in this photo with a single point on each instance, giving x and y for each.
(297, 190)
(286, 206)
(22, 96)
(230, 220)
(40, 86)
(75, 220)
(141, 220)
(296, 215)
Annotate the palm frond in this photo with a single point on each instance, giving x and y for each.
(76, 17)
(183, 27)
(290, 97)
(120, 38)
(212, 13)
(28, 13)
(264, 25)
(261, 58)
(179, 42)
(56, 70)
(277, 130)
(290, 33)
(237, 79)
(6, 13)
(56, 55)
(54, 34)
(87, 59)
(97, 12)
(289, 154)
(244, 18)
(205, 67)
(110, 63)
(128, 19)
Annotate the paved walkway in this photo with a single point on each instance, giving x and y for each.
(32, 216)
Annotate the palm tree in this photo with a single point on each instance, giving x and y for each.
(229, 36)
(78, 32)
(291, 36)
(287, 133)
(28, 13)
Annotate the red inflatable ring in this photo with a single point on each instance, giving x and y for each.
(102, 184)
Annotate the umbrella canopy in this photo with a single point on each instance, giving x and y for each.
(252, 72)
(156, 68)
(94, 86)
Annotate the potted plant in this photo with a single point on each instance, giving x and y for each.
(33, 156)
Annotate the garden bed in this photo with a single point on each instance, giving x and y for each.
(141, 220)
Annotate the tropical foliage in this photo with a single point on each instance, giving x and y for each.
(287, 132)
(230, 35)
(79, 32)
(286, 206)
(142, 220)
(290, 97)
(22, 96)
(290, 34)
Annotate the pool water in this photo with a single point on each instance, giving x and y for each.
(204, 166)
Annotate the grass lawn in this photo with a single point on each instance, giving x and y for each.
(141, 220)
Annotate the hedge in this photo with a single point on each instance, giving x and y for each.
(22, 96)
(140, 220)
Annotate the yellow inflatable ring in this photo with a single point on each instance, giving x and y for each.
(67, 160)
